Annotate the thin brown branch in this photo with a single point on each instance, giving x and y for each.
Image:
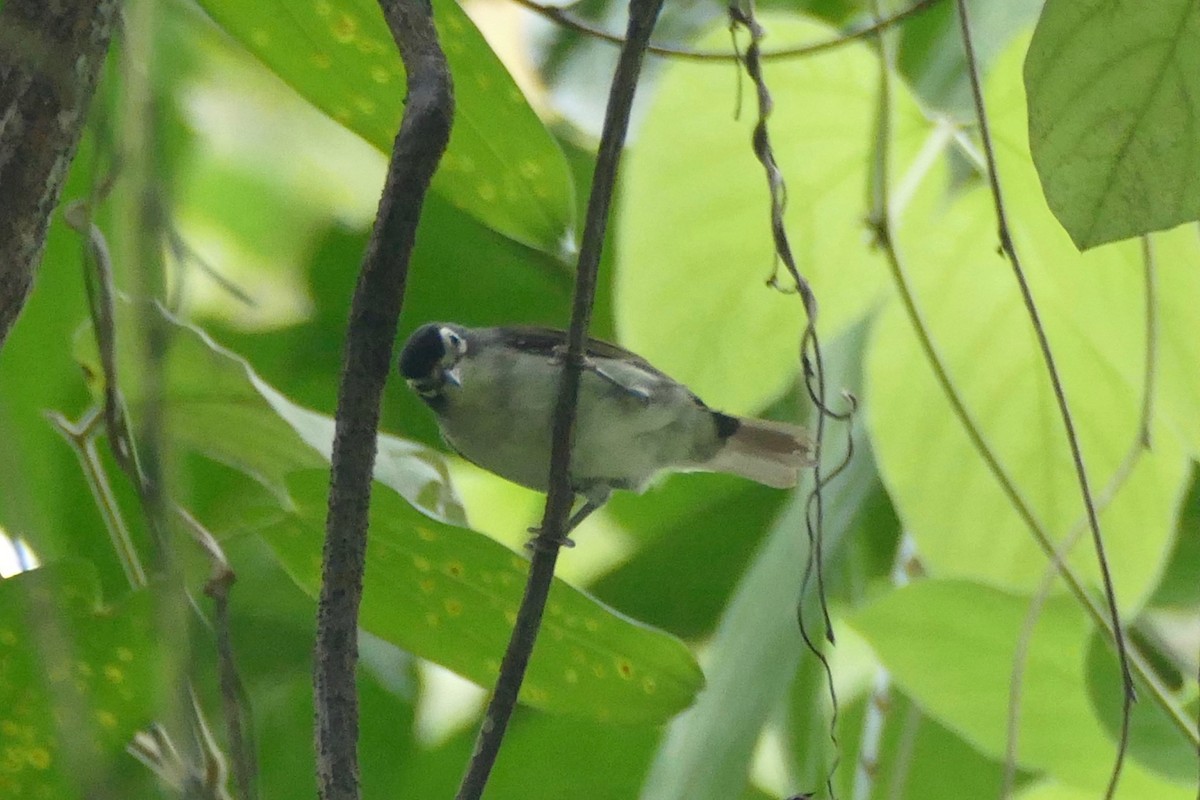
(562, 17)
(374, 313)
(1010, 251)
(1139, 446)
(221, 578)
(50, 60)
(642, 16)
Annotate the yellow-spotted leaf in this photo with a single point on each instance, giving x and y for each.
(502, 166)
(694, 239)
(77, 679)
(451, 595)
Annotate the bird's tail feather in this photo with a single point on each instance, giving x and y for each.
(770, 453)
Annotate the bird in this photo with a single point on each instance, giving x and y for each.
(493, 392)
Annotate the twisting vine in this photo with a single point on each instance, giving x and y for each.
(742, 16)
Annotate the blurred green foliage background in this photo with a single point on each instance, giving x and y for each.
(271, 124)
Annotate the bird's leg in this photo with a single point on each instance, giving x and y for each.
(593, 499)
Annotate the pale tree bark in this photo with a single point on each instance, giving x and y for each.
(51, 52)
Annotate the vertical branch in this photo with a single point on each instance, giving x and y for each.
(374, 312)
(1010, 251)
(642, 16)
(50, 60)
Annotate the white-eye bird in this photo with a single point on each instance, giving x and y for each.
(494, 391)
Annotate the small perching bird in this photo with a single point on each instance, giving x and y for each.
(494, 391)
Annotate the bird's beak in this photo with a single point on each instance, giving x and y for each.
(452, 377)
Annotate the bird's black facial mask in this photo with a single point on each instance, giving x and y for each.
(430, 359)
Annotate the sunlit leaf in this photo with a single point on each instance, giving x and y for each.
(950, 645)
(77, 679)
(451, 595)
(695, 242)
(502, 165)
(1094, 311)
(1114, 98)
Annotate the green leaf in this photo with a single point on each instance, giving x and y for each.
(502, 165)
(217, 406)
(77, 679)
(757, 647)
(1114, 98)
(695, 242)
(1093, 310)
(950, 645)
(451, 595)
(1154, 741)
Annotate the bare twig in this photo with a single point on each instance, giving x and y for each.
(1010, 251)
(564, 18)
(81, 437)
(642, 16)
(374, 312)
(50, 60)
(879, 703)
(221, 578)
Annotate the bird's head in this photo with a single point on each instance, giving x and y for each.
(429, 360)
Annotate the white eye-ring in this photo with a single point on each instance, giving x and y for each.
(453, 342)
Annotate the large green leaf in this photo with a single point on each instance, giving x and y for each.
(502, 165)
(1093, 309)
(950, 645)
(77, 679)
(695, 242)
(590, 660)
(1114, 98)
(451, 595)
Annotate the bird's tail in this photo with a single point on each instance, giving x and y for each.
(770, 453)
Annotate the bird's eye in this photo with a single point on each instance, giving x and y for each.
(455, 342)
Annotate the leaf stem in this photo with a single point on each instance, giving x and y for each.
(1010, 251)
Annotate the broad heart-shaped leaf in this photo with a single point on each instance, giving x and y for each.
(950, 646)
(695, 243)
(217, 406)
(451, 595)
(1093, 308)
(502, 166)
(77, 679)
(1114, 115)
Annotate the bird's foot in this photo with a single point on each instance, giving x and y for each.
(539, 542)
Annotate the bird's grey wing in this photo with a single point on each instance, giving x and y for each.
(552, 342)
(623, 369)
